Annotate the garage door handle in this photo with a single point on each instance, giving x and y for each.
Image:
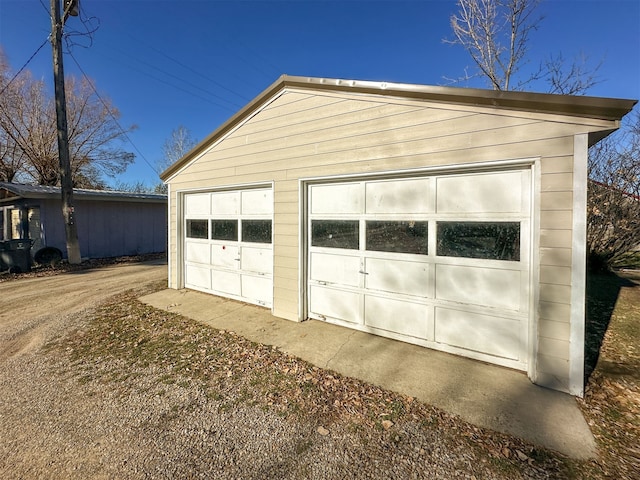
(364, 273)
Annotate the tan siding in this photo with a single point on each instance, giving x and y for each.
(286, 229)
(380, 145)
(285, 251)
(381, 159)
(285, 262)
(286, 273)
(278, 111)
(555, 238)
(286, 309)
(554, 348)
(353, 115)
(286, 196)
(555, 293)
(556, 219)
(286, 240)
(560, 257)
(556, 200)
(557, 165)
(553, 381)
(557, 182)
(286, 208)
(286, 218)
(553, 365)
(555, 275)
(557, 330)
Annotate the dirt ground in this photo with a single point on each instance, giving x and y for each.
(27, 313)
(94, 384)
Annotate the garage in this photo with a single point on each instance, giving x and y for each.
(449, 218)
(440, 261)
(228, 244)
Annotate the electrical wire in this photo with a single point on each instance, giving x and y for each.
(23, 66)
(124, 132)
(187, 82)
(178, 62)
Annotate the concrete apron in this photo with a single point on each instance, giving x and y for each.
(485, 395)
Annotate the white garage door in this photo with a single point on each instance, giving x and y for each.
(440, 261)
(228, 244)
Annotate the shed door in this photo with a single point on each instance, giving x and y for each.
(440, 261)
(228, 244)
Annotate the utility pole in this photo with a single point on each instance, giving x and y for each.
(71, 229)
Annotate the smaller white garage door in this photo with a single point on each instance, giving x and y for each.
(440, 261)
(228, 244)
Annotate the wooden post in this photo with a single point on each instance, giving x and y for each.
(66, 183)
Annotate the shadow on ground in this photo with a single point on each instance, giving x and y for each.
(603, 290)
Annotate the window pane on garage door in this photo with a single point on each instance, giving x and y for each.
(486, 240)
(397, 236)
(335, 234)
(197, 229)
(224, 230)
(256, 231)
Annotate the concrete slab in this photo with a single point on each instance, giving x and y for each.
(485, 395)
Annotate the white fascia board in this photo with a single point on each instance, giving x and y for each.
(534, 292)
(578, 265)
(169, 257)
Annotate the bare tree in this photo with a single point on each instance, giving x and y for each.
(495, 33)
(497, 36)
(176, 146)
(613, 215)
(29, 137)
(12, 159)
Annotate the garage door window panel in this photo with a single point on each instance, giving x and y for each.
(397, 236)
(224, 230)
(197, 229)
(484, 240)
(256, 231)
(335, 234)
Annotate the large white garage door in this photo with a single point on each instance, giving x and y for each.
(228, 244)
(440, 261)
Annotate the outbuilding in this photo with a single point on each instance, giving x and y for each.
(450, 218)
(110, 223)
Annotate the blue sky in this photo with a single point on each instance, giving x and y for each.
(195, 63)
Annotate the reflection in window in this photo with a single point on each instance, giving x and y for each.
(397, 236)
(488, 240)
(197, 229)
(256, 231)
(224, 230)
(335, 234)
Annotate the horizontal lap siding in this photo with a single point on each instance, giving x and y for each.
(299, 135)
(554, 308)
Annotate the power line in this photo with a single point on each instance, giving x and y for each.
(126, 135)
(172, 85)
(160, 52)
(186, 82)
(24, 66)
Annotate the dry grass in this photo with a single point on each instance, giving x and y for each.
(124, 338)
(612, 400)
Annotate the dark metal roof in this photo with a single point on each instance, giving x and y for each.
(608, 109)
(13, 190)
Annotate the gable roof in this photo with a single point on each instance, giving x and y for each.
(608, 109)
(18, 190)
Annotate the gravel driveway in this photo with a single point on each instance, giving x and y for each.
(60, 419)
